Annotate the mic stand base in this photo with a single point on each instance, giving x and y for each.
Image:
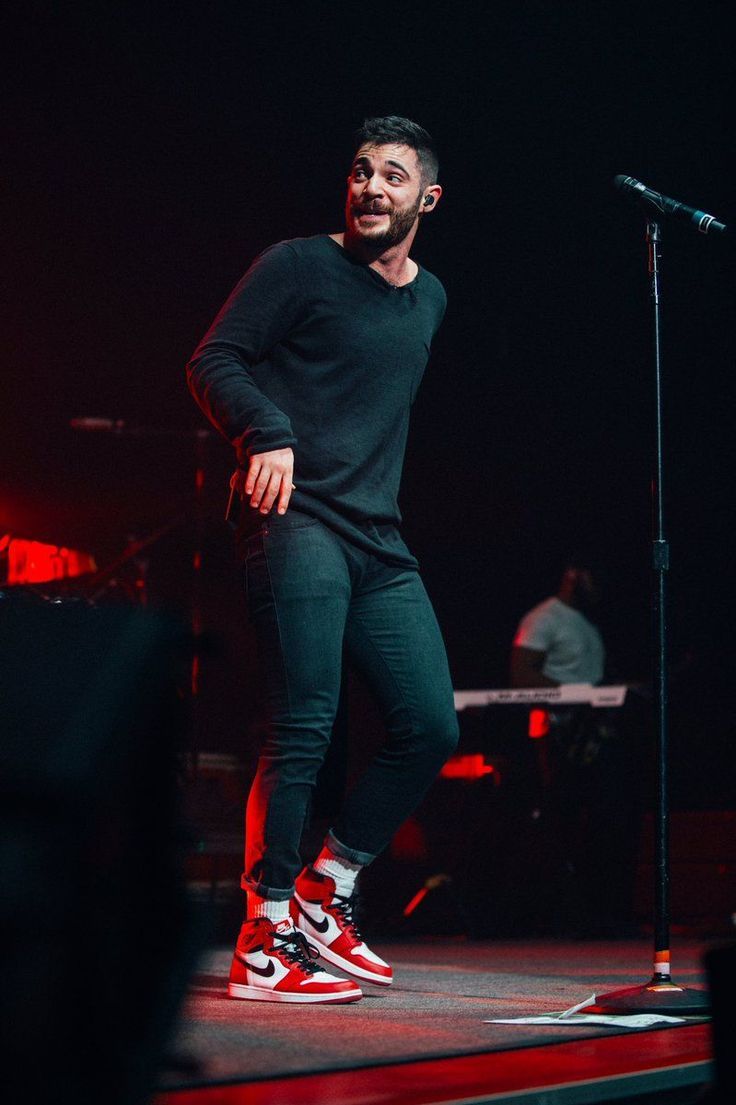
(659, 995)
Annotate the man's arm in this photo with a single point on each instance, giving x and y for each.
(526, 668)
(259, 312)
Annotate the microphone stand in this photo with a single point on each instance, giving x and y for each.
(661, 994)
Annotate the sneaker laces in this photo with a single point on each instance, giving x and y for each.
(296, 949)
(344, 907)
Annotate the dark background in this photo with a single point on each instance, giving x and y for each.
(153, 150)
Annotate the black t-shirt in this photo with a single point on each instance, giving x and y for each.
(316, 351)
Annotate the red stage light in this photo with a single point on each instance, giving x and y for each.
(467, 767)
(538, 723)
(37, 562)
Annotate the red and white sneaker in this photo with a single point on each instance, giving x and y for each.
(275, 963)
(327, 920)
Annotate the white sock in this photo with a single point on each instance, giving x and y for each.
(276, 912)
(341, 870)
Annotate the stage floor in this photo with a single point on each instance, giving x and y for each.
(444, 990)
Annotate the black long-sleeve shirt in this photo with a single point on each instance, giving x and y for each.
(316, 351)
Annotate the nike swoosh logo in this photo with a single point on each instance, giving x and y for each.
(265, 972)
(320, 926)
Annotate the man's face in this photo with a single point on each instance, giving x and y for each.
(384, 195)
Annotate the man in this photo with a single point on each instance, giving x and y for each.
(556, 642)
(587, 762)
(309, 370)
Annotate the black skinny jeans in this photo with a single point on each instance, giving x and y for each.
(309, 592)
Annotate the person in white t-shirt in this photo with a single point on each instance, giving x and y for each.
(592, 800)
(556, 642)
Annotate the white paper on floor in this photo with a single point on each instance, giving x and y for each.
(574, 1015)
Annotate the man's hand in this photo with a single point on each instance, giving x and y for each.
(269, 476)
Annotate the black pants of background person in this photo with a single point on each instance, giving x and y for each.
(594, 799)
(310, 595)
(552, 849)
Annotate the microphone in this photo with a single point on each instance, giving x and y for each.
(666, 206)
(104, 425)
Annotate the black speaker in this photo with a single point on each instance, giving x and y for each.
(97, 938)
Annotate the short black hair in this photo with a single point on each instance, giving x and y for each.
(386, 129)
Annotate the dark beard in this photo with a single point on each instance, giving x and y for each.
(399, 225)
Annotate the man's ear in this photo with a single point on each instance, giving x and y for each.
(430, 198)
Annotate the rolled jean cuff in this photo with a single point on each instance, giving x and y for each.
(350, 854)
(272, 894)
